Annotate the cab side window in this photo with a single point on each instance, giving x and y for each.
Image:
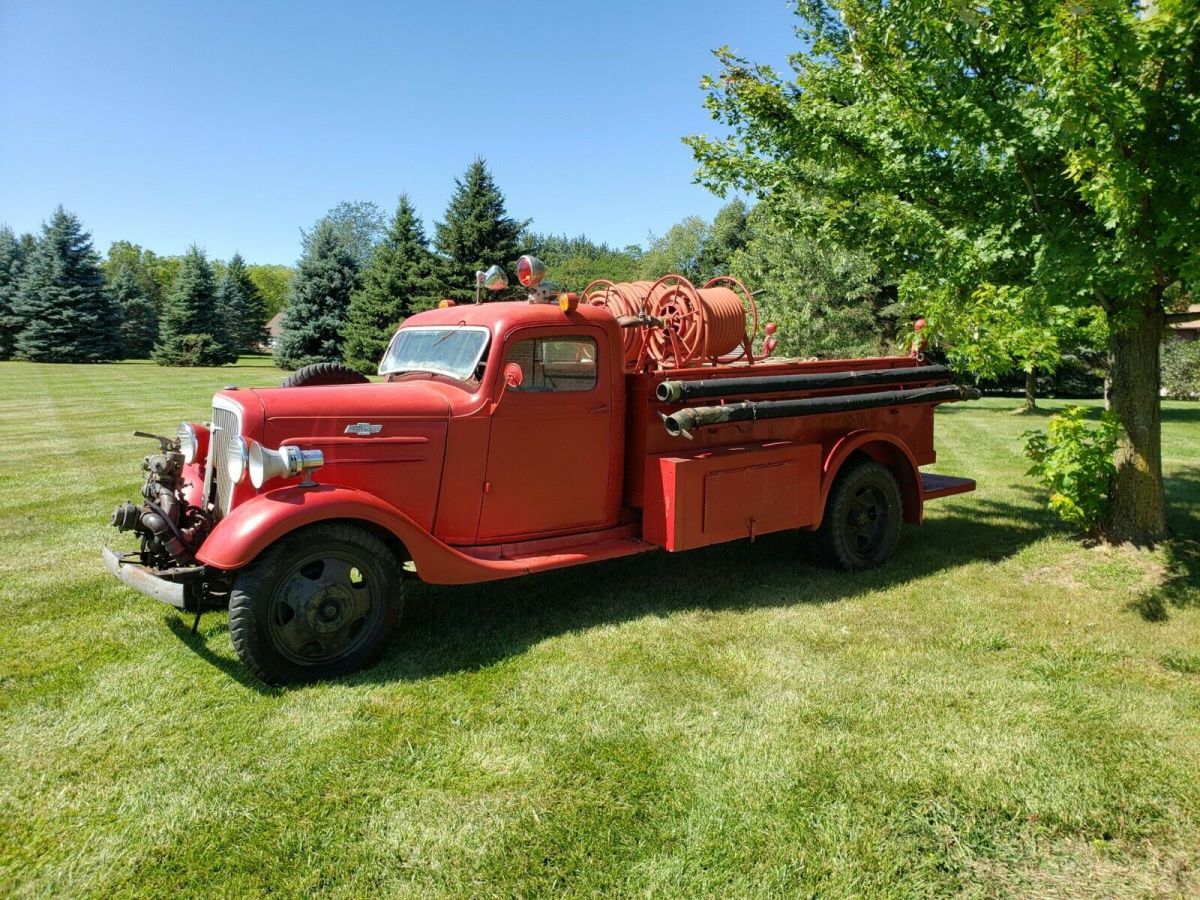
(555, 364)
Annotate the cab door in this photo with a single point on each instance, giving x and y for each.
(549, 452)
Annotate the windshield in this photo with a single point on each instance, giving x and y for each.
(454, 351)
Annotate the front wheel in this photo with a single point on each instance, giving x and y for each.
(861, 526)
(321, 602)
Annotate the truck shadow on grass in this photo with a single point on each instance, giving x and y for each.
(455, 629)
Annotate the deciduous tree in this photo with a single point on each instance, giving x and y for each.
(1026, 146)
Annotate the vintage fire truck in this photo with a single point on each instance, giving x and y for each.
(513, 437)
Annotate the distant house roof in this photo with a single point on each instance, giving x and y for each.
(275, 325)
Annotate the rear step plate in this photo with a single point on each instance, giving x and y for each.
(934, 486)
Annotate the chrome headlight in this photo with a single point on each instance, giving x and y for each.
(193, 441)
(236, 457)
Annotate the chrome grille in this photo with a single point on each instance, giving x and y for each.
(225, 426)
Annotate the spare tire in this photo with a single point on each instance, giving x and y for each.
(324, 373)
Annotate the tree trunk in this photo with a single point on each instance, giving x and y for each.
(1139, 511)
(1031, 389)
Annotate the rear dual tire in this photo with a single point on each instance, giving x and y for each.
(321, 602)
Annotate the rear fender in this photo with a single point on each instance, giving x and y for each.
(256, 524)
(886, 449)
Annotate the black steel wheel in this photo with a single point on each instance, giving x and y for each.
(321, 602)
(861, 526)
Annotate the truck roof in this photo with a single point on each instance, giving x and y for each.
(503, 315)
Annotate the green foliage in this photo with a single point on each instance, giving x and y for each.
(397, 282)
(139, 319)
(1180, 363)
(476, 232)
(272, 282)
(678, 252)
(66, 313)
(726, 236)
(825, 300)
(12, 265)
(1075, 463)
(1004, 163)
(359, 225)
(575, 262)
(230, 315)
(191, 332)
(251, 324)
(314, 316)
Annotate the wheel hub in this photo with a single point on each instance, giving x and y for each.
(328, 609)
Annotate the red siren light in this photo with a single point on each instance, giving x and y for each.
(530, 271)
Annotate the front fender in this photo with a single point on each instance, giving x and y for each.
(253, 526)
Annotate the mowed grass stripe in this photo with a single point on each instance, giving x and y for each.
(990, 714)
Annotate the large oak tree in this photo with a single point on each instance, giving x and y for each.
(1046, 152)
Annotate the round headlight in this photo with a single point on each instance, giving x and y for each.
(193, 441)
(236, 457)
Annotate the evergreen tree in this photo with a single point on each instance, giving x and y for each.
(190, 332)
(66, 313)
(229, 303)
(477, 232)
(12, 264)
(398, 281)
(318, 298)
(139, 320)
(252, 332)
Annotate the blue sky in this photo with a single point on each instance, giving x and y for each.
(234, 124)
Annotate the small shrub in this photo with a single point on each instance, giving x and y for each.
(1181, 369)
(1074, 461)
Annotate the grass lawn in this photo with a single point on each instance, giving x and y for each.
(1002, 710)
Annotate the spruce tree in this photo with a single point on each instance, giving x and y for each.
(66, 313)
(139, 320)
(12, 264)
(190, 333)
(229, 303)
(398, 281)
(477, 232)
(252, 332)
(318, 298)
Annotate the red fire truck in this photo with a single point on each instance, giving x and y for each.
(513, 437)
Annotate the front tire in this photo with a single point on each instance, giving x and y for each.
(861, 526)
(321, 602)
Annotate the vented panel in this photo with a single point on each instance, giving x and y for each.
(225, 426)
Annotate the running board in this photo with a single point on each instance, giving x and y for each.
(935, 486)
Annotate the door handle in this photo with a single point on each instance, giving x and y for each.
(602, 408)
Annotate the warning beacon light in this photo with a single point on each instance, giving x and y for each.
(530, 271)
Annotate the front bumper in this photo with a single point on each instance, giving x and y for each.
(180, 588)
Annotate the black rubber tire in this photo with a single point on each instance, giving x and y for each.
(324, 373)
(257, 595)
(865, 491)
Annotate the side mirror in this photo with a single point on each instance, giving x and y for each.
(514, 375)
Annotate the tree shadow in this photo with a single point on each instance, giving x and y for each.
(1181, 586)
